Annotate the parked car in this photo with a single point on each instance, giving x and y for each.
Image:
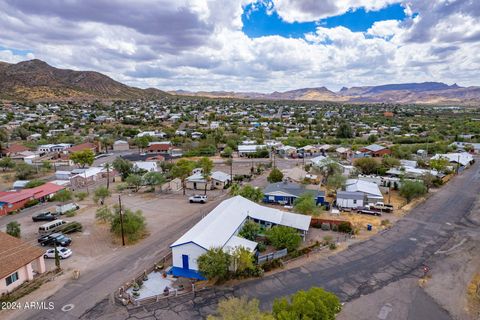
(198, 199)
(62, 209)
(45, 216)
(63, 253)
(58, 239)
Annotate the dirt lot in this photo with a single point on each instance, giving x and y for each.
(95, 244)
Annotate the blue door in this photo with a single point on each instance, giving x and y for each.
(185, 261)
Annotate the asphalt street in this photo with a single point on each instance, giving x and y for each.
(388, 257)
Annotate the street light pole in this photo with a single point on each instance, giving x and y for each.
(121, 219)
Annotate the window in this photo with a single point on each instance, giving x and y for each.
(354, 201)
(11, 278)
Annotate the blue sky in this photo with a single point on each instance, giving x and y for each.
(261, 19)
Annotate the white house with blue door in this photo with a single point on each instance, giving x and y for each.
(286, 193)
(220, 228)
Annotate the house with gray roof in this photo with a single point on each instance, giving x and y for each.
(286, 193)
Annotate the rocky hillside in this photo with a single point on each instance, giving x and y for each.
(35, 80)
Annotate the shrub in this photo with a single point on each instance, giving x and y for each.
(412, 189)
(31, 203)
(272, 264)
(214, 264)
(345, 227)
(283, 237)
(81, 195)
(70, 213)
(134, 224)
(13, 229)
(275, 176)
(249, 230)
(315, 303)
(325, 226)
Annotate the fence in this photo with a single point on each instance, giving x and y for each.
(272, 256)
(122, 291)
(317, 222)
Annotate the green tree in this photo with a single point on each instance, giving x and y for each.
(104, 214)
(100, 194)
(250, 230)
(315, 303)
(141, 142)
(63, 196)
(439, 164)
(123, 167)
(372, 138)
(283, 237)
(24, 171)
(182, 169)
(227, 152)
(429, 180)
(134, 224)
(242, 260)
(153, 179)
(34, 183)
(390, 162)
(7, 163)
(275, 176)
(214, 264)
(412, 189)
(108, 167)
(235, 189)
(305, 204)
(134, 181)
(336, 181)
(240, 309)
(251, 193)
(83, 158)
(13, 229)
(367, 165)
(81, 195)
(344, 131)
(207, 165)
(46, 166)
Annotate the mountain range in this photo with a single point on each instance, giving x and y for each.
(35, 80)
(426, 92)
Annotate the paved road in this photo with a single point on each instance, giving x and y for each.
(396, 254)
(92, 287)
(387, 258)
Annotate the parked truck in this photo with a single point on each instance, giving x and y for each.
(64, 208)
(380, 206)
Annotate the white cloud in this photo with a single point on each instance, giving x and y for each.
(205, 49)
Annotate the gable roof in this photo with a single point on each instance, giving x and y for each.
(15, 253)
(218, 227)
(369, 188)
(290, 188)
(463, 158)
(350, 195)
(81, 147)
(221, 176)
(374, 147)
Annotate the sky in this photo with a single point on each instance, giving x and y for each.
(247, 45)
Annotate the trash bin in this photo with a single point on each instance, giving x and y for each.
(369, 227)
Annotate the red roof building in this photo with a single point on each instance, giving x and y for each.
(14, 149)
(159, 148)
(16, 200)
(82, 147)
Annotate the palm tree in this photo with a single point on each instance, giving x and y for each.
(108, 166)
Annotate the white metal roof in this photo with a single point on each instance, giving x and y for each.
(221, 176)
(463, 158)
(370, 188)
(235, 242)
(216, 228)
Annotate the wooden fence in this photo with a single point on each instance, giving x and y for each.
(317, 222)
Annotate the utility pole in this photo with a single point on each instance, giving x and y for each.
(121, 219)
